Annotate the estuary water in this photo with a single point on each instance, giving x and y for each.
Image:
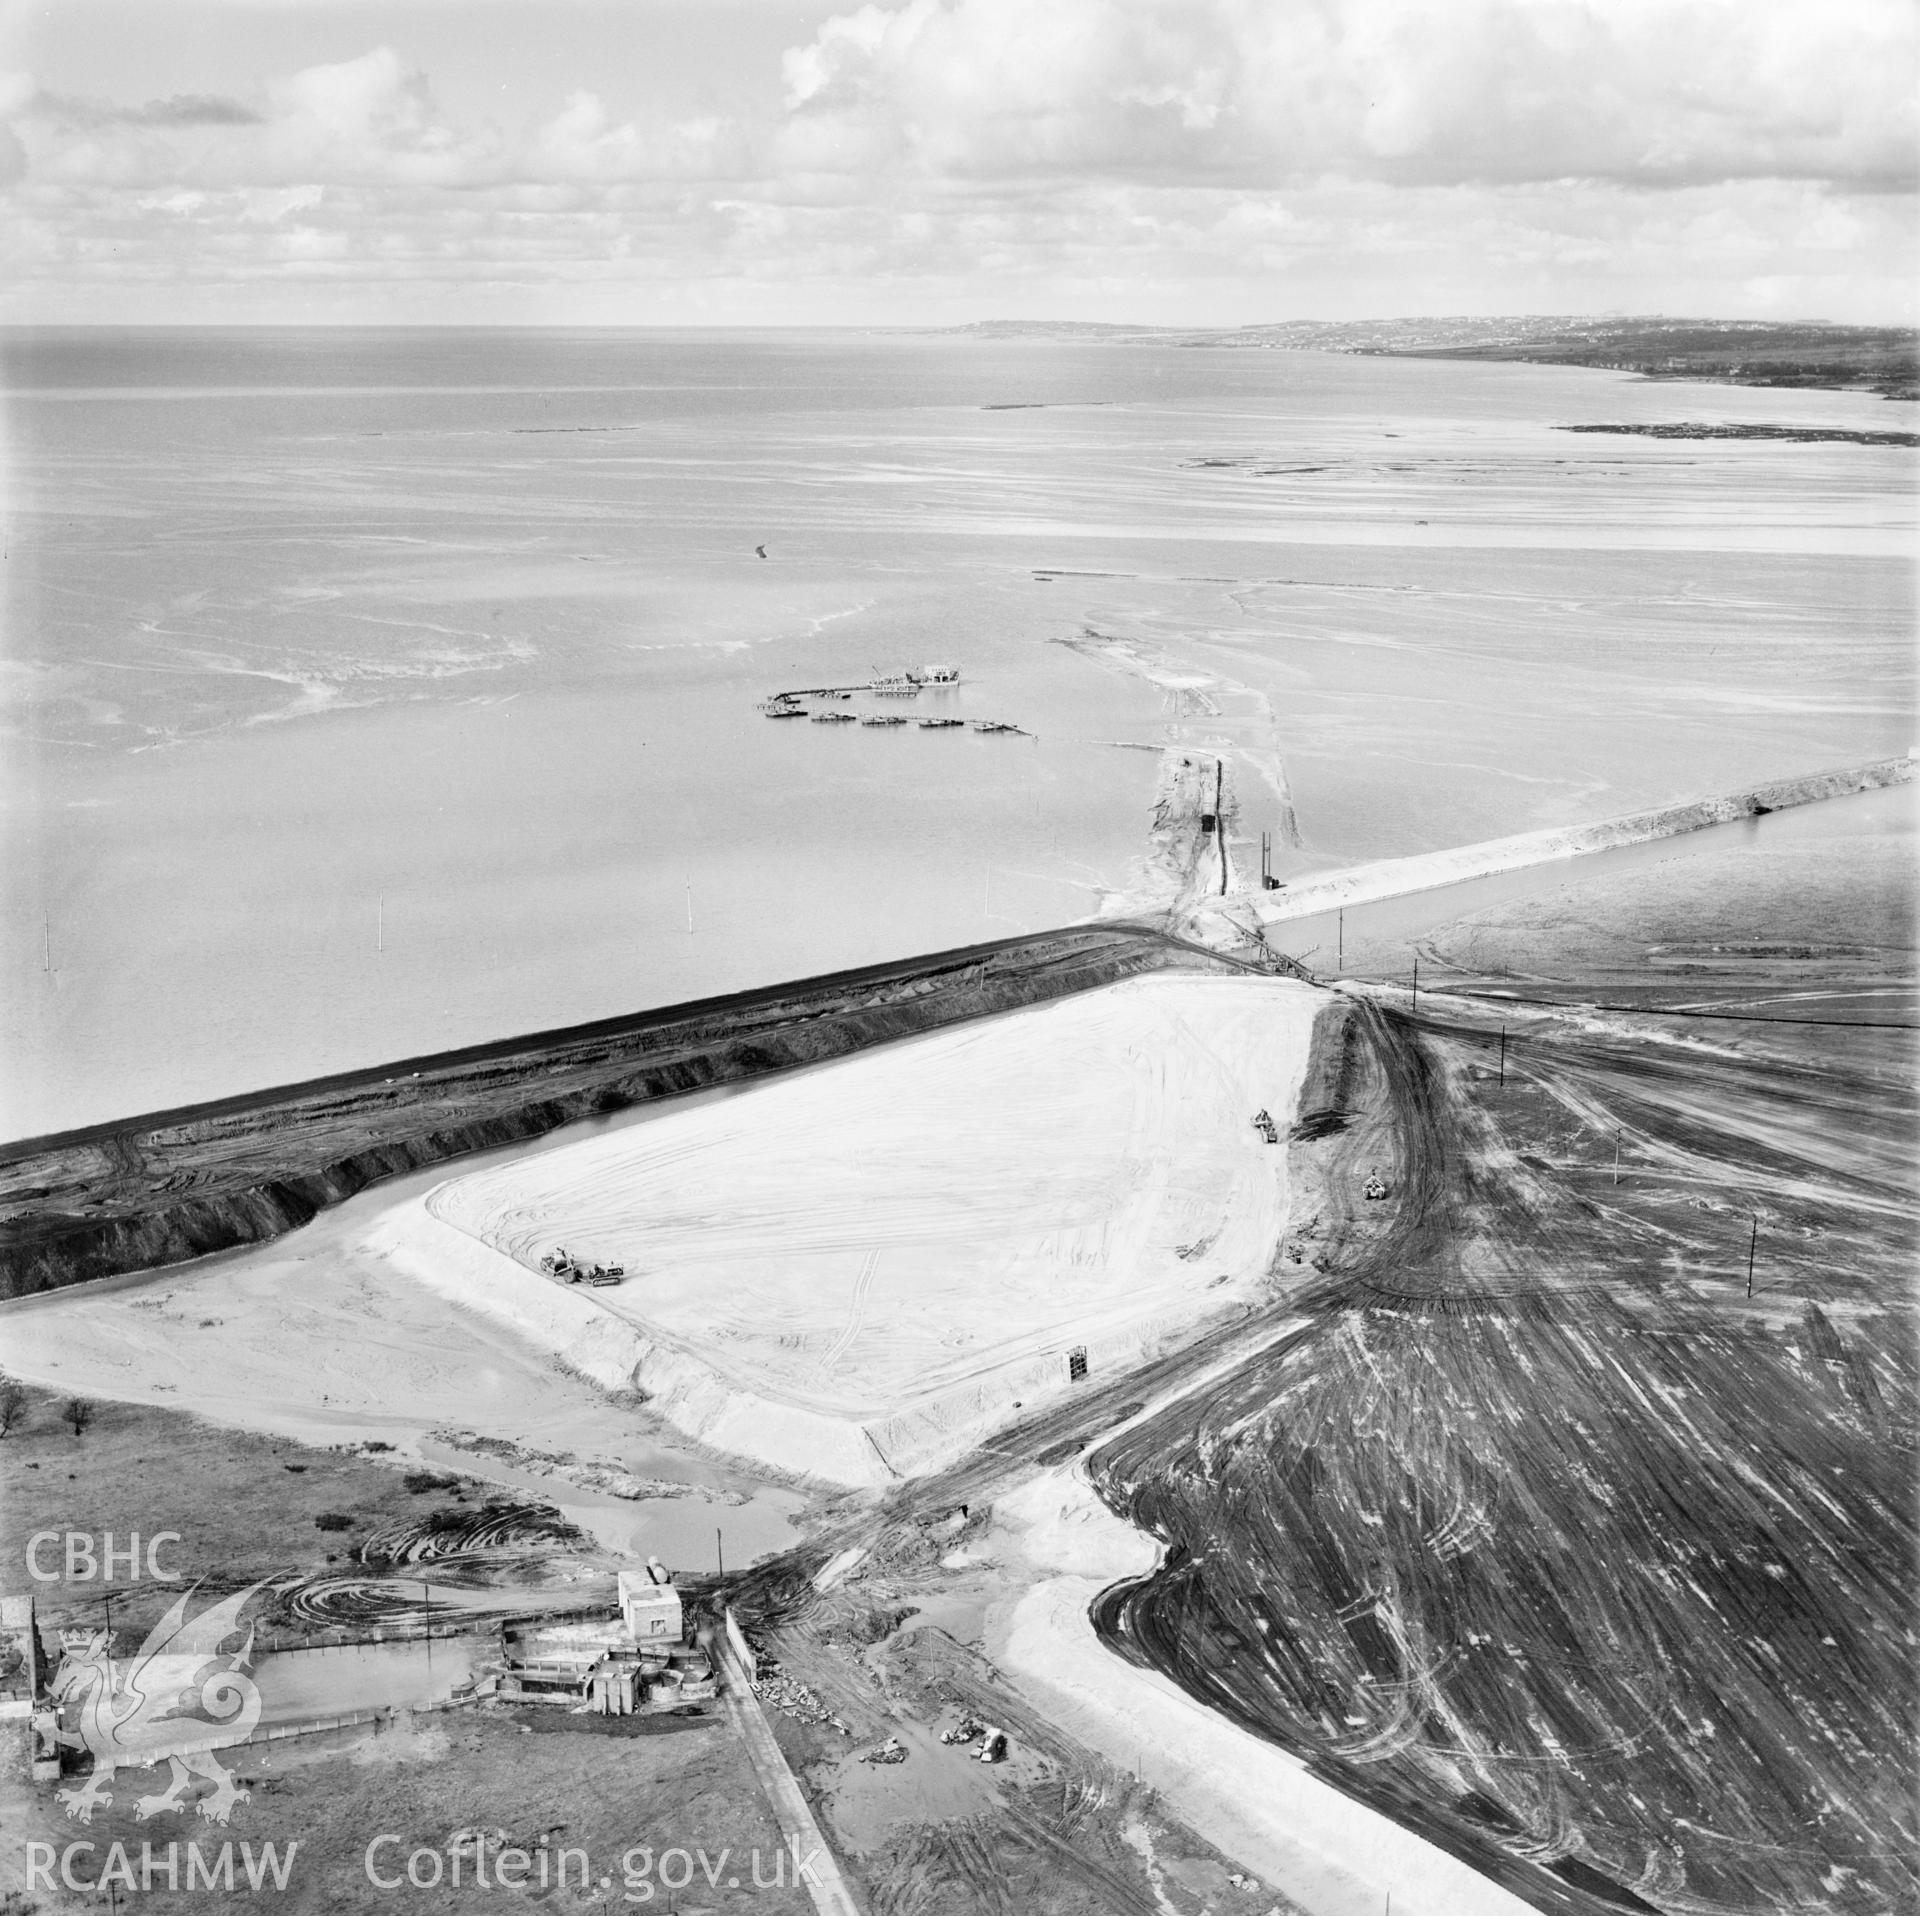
(369, 692)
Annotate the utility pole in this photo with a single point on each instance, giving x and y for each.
(1416, 983)
(1503, 1054)
(1753, 1244)
(113, 1679)
(1616, 1157)
(720, 1550)
(1340, 950)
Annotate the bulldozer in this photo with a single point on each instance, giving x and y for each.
(560, 1263)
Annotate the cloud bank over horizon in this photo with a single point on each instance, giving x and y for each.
(1196, 161)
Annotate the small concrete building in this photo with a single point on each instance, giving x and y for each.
(650, 1605)
(637, 1663)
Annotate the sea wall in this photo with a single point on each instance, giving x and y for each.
(175, 1185)
(1398, 877)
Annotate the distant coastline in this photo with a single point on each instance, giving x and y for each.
(1792, 435)
(1794, 354)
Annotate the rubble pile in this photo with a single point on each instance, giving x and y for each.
(794, 1699)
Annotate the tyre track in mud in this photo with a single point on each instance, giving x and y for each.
(1645, 1575)
(1540, 1538)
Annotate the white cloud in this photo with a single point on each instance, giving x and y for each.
(367, 121)
(1655, 92)
(1180, 159)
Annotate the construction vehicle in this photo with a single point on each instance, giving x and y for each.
(1264, 1124)
(561, 1264)
(1375, 1187)
(993, 1747)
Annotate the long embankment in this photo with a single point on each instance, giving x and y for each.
(1428, 871)
(174, 1185)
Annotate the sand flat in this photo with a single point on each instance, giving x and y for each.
(918, 1236)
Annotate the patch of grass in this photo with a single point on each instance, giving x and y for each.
(240, 1512)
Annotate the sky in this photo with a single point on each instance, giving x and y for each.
(931, 162)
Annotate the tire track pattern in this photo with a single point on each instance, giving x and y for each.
(1542, 1539)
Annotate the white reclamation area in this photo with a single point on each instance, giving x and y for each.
(855, 1272)
(1254, 1801)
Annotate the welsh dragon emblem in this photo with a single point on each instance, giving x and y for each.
(180, 1697)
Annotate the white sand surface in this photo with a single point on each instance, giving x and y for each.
(854, 1272)
(1252, 1800)
(321, 1338)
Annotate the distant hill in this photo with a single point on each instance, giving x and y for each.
(1747, 352)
